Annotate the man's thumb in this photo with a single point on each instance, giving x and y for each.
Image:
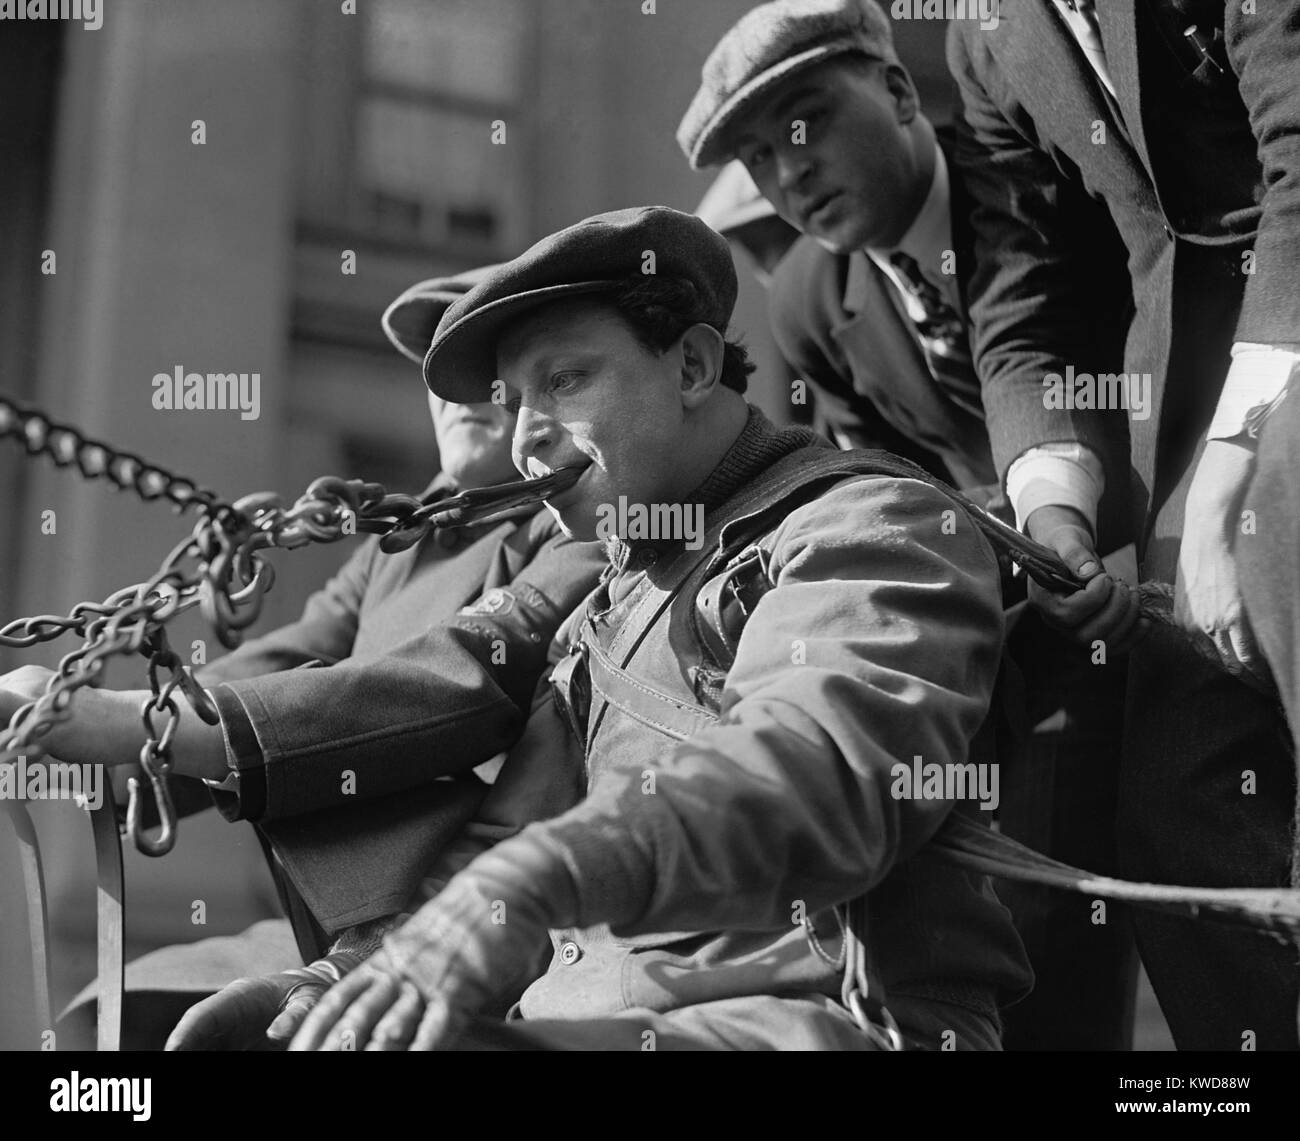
(1075, 548)
(291, 1017)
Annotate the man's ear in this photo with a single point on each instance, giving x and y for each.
(901, 89)
(701, 355)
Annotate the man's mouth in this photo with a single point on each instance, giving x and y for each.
(575, 470)
(818, 205)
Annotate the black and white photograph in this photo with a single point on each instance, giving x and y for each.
(650, 526)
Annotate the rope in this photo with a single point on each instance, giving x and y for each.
(1275, 911)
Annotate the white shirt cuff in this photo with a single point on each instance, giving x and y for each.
(1056, 475)
(1255, 384)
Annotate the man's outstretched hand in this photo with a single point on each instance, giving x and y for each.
(259, 1013)
(1105, 609)
(477, 940)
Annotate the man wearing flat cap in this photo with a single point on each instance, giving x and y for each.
(812, 99)
(745, 869)
(349, 737)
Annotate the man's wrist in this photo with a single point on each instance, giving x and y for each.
(1052, 516)
(1058, 474)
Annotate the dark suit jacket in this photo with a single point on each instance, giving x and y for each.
(1200, 164)
(836, 321)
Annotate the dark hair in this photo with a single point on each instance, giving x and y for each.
(660, 309)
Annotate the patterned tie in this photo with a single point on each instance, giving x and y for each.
(941, 331)
(941, 324)
(942, 334)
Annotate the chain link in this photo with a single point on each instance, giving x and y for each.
(218, 568)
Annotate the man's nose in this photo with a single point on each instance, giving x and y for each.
(534, 436)
(793, 164)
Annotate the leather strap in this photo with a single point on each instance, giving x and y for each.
(650, 706)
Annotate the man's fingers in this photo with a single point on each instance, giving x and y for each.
(322, 1017)
(1069, 612)
(352, 1031)
(1131, 627)
(296, 1010)
(1237, 647)
(347, 1026)
(232, 1019)
(1117, 613)
(196, 1030)
(396, 1029)
(438, 1027)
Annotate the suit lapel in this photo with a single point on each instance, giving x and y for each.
(1042, 63)
(1119, 38)
(882, 351)
(959, 211)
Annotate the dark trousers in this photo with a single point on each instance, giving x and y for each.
(1206, 799)
(1207, 794)
(1059, 792)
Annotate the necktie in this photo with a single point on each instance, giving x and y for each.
(941, 331)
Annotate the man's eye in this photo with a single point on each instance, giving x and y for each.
(565, 381)
(757, 157)
(513, 405)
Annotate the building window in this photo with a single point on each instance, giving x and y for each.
(436, 75)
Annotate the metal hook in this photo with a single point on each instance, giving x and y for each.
(166, 838)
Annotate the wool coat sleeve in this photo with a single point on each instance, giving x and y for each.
(1046, 277)
(442, 700)
(1264, 51)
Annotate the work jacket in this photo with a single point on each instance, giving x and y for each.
(707, 838)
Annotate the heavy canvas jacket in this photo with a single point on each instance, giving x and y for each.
(879, 642)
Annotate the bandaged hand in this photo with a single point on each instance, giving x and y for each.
(476, 941)
(260, 1013)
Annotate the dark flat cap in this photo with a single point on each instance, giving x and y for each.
(411, 320)
(767, 46)
(594, 256)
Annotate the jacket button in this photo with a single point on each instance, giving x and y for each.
(570, 953)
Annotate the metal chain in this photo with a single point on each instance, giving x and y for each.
(65, 445)
(219, 568)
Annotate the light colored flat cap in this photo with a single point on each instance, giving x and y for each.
(768, 45)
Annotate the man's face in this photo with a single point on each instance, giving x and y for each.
(852, 180)
(591, 395)
(473, 441)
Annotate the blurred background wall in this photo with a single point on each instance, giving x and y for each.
(326, 132)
